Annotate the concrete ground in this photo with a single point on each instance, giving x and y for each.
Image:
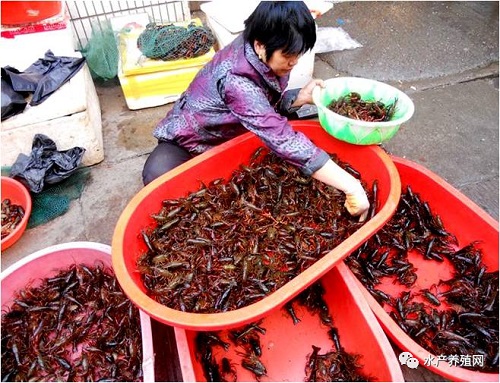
(444, 55)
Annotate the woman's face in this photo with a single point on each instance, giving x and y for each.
(281, 64)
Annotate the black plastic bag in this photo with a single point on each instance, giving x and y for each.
(12, 102)
(45, 165)
(44, 76)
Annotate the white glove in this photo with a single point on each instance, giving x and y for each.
(356, 203)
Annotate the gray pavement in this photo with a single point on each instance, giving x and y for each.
(444, 55)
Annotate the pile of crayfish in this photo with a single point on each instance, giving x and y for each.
(353, 106)
(12, 215)
(335, 365)
(75, 326)
(457, 316)
(233, 242)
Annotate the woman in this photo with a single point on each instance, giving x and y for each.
(243, 89)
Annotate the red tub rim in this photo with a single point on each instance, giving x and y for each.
(52, 249)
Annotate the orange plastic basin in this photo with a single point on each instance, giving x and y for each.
(24, 12)
(18, 195)
(468, 223)
(285, 346)
(127, 245)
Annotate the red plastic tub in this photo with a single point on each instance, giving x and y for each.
(47, 263)
(285, 346)
(128, 245)
(18, 195)
(468, 223)
(25, 12)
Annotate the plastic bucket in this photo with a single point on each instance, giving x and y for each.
(285, 345)
(468, 222)
(128, 243)
(18, 195)
(47, 263)
(25, 12)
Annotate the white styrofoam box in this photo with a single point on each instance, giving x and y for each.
(302, 72)
(23, 50)
(71, 117)
(229, 14)
(223, 35)
(135, 20)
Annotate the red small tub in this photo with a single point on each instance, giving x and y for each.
(468, 223)
(18, 195)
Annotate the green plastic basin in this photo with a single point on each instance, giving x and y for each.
(360, 132)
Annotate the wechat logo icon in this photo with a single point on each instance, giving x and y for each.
(407, 359)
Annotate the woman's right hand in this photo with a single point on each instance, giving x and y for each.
(356, 203)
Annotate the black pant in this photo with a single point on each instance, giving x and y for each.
(166, 156)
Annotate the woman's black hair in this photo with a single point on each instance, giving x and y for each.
(285, 25)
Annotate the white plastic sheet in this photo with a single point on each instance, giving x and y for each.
(329, 39)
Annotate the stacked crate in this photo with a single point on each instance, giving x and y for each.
(146, 82)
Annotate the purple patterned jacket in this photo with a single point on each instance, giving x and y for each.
(232, 94)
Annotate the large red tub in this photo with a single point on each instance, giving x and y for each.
(285, 346)
(371, 161)
(468, 223)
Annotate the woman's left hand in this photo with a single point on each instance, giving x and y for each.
(305, 94)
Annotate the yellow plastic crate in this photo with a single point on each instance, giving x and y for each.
(158, 88)
(146, 82)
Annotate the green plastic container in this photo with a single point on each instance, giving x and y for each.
(356, 131)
